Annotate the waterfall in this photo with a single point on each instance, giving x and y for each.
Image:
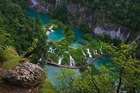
(67, 51)
(95, 52)
(101, 50)
(34, 3)
(60, 59)
(84, 53)
(72, 62)
(51, 50)
(40, 59)
(47, 33)
(89, 53)
(50, 30)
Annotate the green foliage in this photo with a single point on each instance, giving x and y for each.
(60, 13)
(120, 12)
(46, 87)
(10, 58)
(22, 3)
(20, 29)
(104, 79)
(59, 23)
(4, 39)
(66, 78)
(53, 57)
(55, 27)
(127, 65)
(51, 1)
(88, 37)
(78, 57)
(84, 27)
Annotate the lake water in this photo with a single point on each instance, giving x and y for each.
(58, 35)
(44, 18)
(78, 37)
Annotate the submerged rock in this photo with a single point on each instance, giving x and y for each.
(82, 43)
(24, 75)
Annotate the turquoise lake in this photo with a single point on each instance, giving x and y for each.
(44, 18)
(78, 37)
(58, 35)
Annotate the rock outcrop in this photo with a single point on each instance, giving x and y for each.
(82, 14)
(113, 33)
(24, 75)
(41, 5)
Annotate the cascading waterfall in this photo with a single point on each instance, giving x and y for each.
(50, 30)
(35, 2)
(40, 59)
(51, 50)
(60, 59)
(89, 53)
(95, 52)
(101, 50)
(72, 62)
(84, 53)
(67, 51)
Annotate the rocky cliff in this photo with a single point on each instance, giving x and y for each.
(82, 15)
(24, 78)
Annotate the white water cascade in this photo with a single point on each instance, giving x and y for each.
(72, 62)
(50, 30)
(84, 53)
(101, 50)
(40, 59)
(95, 52)
(51, 50)
(89, 53)
(35, 2)
(60, 59)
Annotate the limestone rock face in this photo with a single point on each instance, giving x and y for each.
(25, 75)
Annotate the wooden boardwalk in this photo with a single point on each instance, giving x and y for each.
(75, 67)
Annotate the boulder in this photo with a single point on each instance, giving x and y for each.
(24, 75)
(82, 43)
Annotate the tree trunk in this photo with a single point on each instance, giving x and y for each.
(120, 81)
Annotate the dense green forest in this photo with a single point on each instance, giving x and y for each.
(121, 12)
(20, 31)
(107, 13)
(24, 35)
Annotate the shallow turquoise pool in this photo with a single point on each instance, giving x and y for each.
(78, 37)
(44, 18)
(58, 35)
(51, 72)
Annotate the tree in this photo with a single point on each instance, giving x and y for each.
(66, 78)
(127, 66)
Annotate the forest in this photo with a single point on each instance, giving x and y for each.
(23, 38)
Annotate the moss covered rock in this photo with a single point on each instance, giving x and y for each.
(24, 75)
